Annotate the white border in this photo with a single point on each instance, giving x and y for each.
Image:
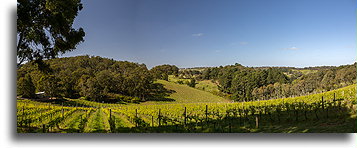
(11, 140)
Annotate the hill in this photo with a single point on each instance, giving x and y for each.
(185, 94)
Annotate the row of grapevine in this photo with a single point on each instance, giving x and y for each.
(33, 116)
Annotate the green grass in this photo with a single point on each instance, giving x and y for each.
(207, 85)
(306, 71)
(174, 79)
(186, 94)
(98, 122)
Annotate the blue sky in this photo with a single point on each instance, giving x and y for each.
(191, 33)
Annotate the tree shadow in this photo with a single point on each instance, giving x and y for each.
(61, 101)
(160, 93)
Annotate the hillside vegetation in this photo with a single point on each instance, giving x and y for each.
(93, 78)
(101, 79)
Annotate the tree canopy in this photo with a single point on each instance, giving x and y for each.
(245, 84)
(44, 28)
(162, 71)
(94, 78)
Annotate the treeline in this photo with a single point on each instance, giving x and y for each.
(94, 78)
(239, 82)
(316, 82)
(246, 84)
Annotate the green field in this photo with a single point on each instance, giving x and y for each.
(186, 94)
(207, 85)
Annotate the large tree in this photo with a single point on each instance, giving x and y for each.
(44, 28)
(25, 87)
(162, 71)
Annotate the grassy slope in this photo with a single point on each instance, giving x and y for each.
(207, 85)
(306, 71)
(186, 94)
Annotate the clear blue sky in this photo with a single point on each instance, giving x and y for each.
(190, 33)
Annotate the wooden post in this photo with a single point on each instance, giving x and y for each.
(296, 114)
(159, 117)
(152, 121)
(110, 113)
(256, 122)
(207, 113)
(62, 113)
(43, 128)
(322, 100)
(113, 122)
(40, 119)
(136, 113)
(185, 116)
(230, 126)
(305, 111)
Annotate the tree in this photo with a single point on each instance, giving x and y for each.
(25, 87)
(44, 28)
(51, 85)
(162, 71)
(328, 81)
(192, 82)
(206, 74)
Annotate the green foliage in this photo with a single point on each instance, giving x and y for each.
(192, 83)
(163, 71)
(179, 82)
(240, 81)
(189, 73)
(50, 84)
(245, 84)
(25, 87)
(92, 90)
(94, 78)
(44, 28)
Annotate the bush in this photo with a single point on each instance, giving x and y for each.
(135, 100)
(179, 82)
(192, 83)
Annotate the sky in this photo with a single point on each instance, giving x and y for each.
(196, 33)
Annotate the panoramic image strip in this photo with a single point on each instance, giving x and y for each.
(182, 66)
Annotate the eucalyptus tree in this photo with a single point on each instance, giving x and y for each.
(44, 29)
